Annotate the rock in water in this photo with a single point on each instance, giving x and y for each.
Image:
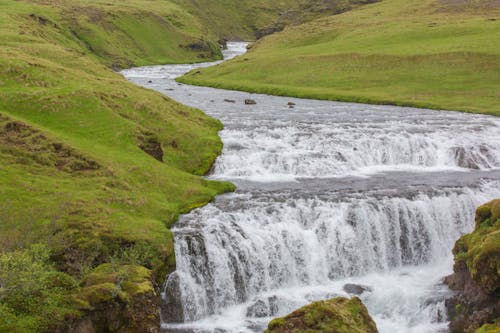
(171, 307)
(338, 315)
(291, 104)
(355, 289)
(475, 277)
(263, 308)
(250, 102)
(229, 100)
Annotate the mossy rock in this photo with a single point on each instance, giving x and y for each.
(338, 315)
(480, 250)
(123, 282)
(118, 298)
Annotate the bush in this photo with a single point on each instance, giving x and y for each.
(32, 293)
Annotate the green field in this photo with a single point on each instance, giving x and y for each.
(439, 54)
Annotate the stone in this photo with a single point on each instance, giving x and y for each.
(475, 279)
(171, 307)
(250, 102)
(355, 289)
(337, 315)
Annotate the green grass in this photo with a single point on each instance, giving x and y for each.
(73, 178)
(418, 53)
(93, 169)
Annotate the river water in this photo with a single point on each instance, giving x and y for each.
(328, 194)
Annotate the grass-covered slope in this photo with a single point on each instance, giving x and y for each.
(93, 169)
(431, 53)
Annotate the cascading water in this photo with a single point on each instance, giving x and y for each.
(328, 194)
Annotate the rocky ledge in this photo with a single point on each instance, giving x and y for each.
(338, 315)
(119, 299)
(476, 280)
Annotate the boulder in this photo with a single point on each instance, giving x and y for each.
(250, 102)
(229, 100)
(355, 289)
(263, 308)
(475, 278)
(337, 315)
(171, 307)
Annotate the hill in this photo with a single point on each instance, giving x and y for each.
(93, 169)
(439, 54)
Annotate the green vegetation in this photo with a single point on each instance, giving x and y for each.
(489, 328)
(338, 315)
(480, 250)
(474, 308)
(93, 169)
(434, 53)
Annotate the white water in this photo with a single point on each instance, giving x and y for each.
(328, 193)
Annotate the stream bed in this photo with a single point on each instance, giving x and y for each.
(333, 199)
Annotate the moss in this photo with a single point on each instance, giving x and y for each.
(109, 281)
(480, 250)
(338, 315)
(489, 328)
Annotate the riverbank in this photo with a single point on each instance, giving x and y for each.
(94, 170)
(428, 54)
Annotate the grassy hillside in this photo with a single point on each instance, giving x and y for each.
(93, 170)
(248, 19)
(431, 53)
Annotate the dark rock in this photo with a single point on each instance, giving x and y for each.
(258, 310)
(204, 48)
(222, 43)
(171, 307)
(229, 100)
(276, 27)
(355, 289)
(150, 81)
(464, 159)
(291, 104)
(475, 278)
(250, 102)
(263, 308)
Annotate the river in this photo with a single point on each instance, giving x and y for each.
(328, 193)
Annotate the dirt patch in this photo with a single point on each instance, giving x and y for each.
(150, 144)
(28, 145)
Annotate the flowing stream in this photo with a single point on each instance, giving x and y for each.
(333, 199)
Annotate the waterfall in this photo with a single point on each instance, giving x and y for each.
(242, 246)
(329, 195)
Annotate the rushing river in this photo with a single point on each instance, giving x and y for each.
(328, 194)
